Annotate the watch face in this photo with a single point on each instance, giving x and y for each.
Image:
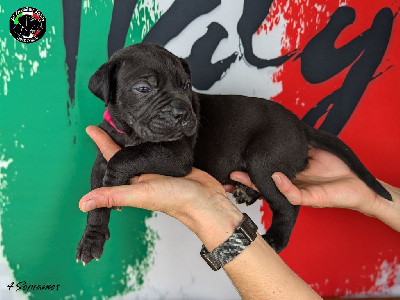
(27, 25)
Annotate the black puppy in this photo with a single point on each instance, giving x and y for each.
(164, 127)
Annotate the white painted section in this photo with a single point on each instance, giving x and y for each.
(241, 78)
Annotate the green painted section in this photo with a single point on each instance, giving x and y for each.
(16, 19)
(49, 160)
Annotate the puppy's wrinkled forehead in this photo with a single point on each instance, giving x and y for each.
(150, 62)
(133, 73)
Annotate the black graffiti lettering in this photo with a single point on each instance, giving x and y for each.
(72, 26)
(177, 18)
(164, 30)
(204, 73)
(121, 18)
(254, 13)
(321, 61)
(182, 12)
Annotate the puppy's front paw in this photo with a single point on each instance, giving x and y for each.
(91, 245)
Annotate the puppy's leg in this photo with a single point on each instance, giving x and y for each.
(284, 214)
(262, 159)
(283, 220)
(96, 232)
(98, 172)
(169, 158)
(245, 194)
(173, 159)
(95, 235)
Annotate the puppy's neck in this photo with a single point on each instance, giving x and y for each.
(107, 117)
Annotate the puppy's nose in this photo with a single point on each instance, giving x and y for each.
(178, 109)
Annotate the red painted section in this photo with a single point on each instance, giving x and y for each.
(341, 252)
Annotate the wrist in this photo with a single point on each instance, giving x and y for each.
(242, 237)
(388, 211)
(215, 221)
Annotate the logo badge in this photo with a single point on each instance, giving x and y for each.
(27, 25)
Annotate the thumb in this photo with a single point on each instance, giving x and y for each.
(123, 195)
(105, 143)
(287, 188)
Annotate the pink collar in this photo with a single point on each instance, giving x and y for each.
(107, 117)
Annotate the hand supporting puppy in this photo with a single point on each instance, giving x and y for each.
(328, 182)
(180, 197)
(199, 201)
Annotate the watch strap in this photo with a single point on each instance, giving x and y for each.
(243, 236)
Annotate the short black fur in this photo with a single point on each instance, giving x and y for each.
(145, 90)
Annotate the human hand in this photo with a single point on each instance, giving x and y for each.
(197, 200)
(328, 182)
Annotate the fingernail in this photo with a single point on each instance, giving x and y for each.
(88, 205)
(276, 178)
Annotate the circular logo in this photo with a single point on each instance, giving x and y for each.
(27, 25)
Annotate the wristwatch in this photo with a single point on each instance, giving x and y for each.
(243, 236)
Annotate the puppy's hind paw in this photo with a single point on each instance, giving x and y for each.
(244, 194)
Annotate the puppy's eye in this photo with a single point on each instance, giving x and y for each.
(187, 85)
(143, 89)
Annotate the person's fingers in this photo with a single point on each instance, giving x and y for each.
(288, 189)
(123, 195)
(105, 143)
(244, 178)
(229, 188)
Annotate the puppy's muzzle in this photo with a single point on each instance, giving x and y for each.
(175, 120)
(179, 112)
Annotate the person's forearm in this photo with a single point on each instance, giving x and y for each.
(258, 272)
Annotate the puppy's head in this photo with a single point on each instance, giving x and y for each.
(148, 93)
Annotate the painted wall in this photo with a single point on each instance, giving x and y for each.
(280, 50)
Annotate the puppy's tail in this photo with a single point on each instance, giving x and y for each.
(326, 141)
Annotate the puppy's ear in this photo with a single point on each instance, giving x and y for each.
(185, 66)
(103, 82)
